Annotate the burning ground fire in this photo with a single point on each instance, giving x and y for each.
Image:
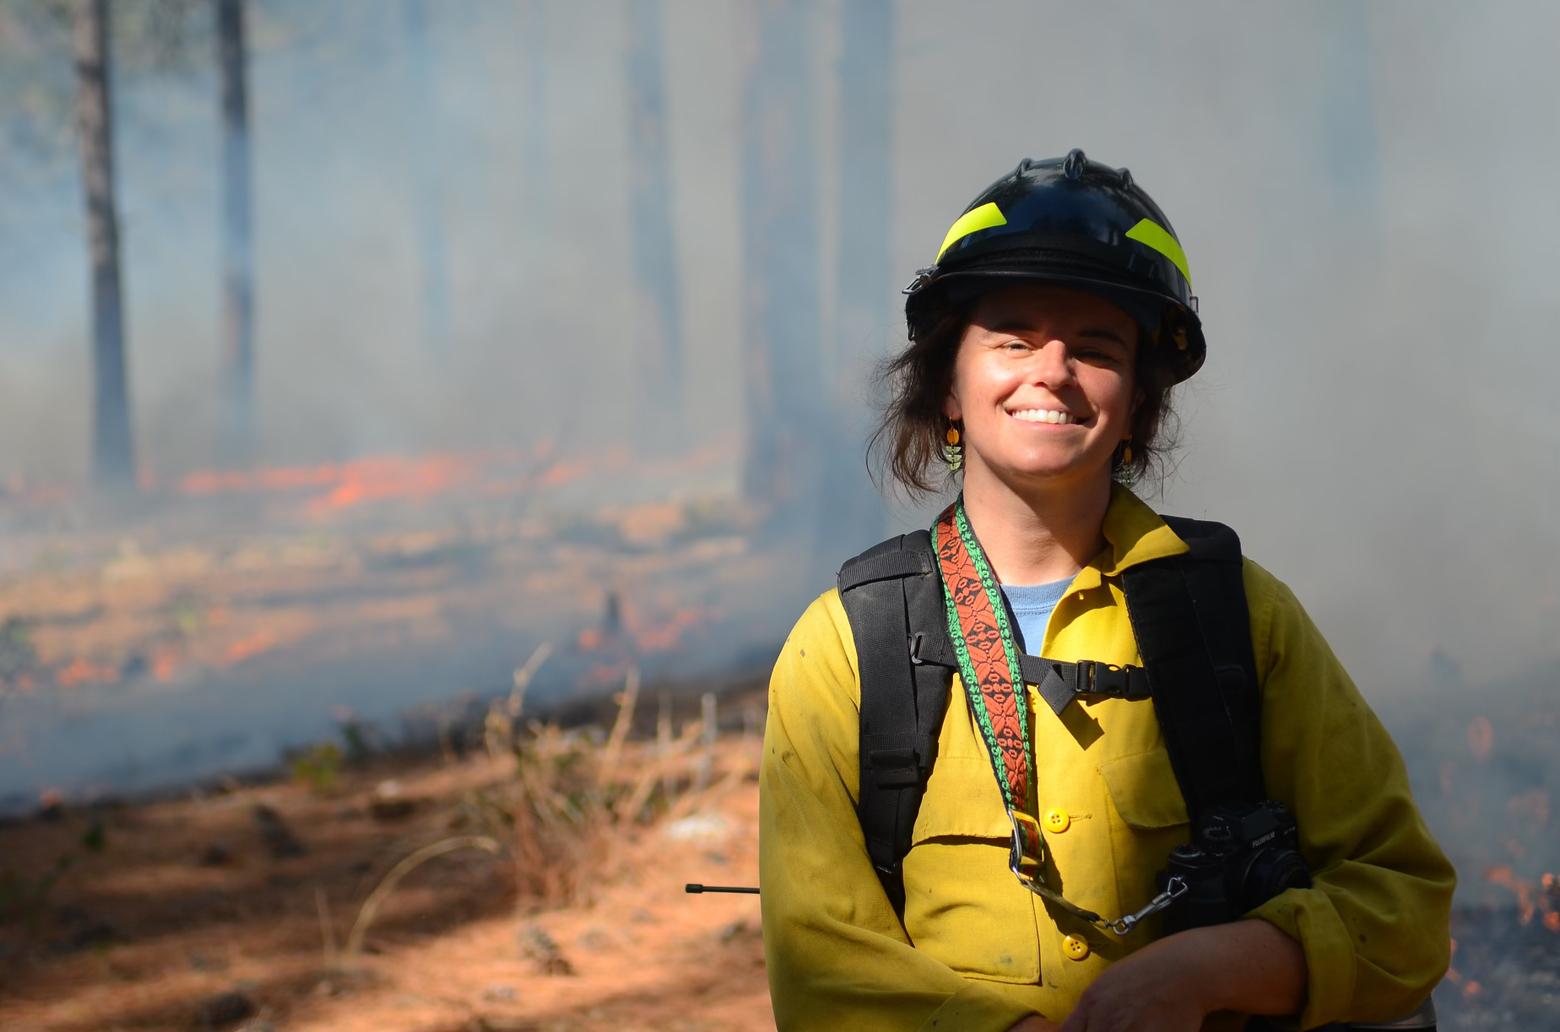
(398, 600)
(330, 487)
(163, 617)
(336, 486)
(1506, 925)
(627, 633)
(647, 634)
(1538, 905)
(348, 485)
(34, 658)
(1539, 899)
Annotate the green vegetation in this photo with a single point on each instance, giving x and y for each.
(317, 767)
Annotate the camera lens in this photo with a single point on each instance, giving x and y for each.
(1205, 900)
(1267, 873)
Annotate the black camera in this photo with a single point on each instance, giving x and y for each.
(1239, 858)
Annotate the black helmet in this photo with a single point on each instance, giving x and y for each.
(1076, 222)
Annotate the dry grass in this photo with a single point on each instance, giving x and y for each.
(566, 816)
(574, 797)
(571, 808)
(439, 897)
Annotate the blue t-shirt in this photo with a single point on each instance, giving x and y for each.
(1031, 606)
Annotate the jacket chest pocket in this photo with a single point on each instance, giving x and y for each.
(962, 904)
(1149, 819)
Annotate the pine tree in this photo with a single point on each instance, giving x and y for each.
(113, 454)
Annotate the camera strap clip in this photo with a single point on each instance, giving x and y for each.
(1026, 861)
(1175, 887)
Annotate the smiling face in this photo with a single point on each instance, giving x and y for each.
(1043, 385)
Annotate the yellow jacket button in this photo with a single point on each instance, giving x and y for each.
(1057, 821)
(1075, 948)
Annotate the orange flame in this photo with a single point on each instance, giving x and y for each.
(164, 665)
(647, 634)
(369, 480)
(376, 478)
(562, 473)
(1551, 900)
(664, 635)
(1507, 879)
(345, 484)
(84, 671)
(248, 648)
(386, 477)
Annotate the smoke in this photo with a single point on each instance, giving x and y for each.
(1364, 192)
(1366, 218)
(540, 322)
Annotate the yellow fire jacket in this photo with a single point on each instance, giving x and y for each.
(979, 951)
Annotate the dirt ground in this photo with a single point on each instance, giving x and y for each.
(234, 909)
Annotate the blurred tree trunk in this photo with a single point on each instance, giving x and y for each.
(866, 305)
(658, 316)
(426, 159)
(113, 454)
(238, 306)
(784, 384)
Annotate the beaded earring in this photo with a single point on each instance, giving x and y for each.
(953, 449)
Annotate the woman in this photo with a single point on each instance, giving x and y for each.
(1043, 346)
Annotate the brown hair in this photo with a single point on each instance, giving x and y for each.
(909, 437)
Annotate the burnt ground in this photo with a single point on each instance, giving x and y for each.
(234, 909)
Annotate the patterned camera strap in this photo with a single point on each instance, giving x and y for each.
(982, 637)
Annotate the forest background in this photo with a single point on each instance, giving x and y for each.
(447, 331)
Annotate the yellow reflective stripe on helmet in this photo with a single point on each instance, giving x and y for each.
(1151, 234)
(984, 217)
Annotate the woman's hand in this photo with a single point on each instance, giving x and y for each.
(1172, 984)
(1155, 988)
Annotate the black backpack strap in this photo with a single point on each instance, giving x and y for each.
(1192, 624)
(892, 594)
(1059, 683)
(1193, 630)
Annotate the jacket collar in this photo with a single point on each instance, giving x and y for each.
(1134, 534)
